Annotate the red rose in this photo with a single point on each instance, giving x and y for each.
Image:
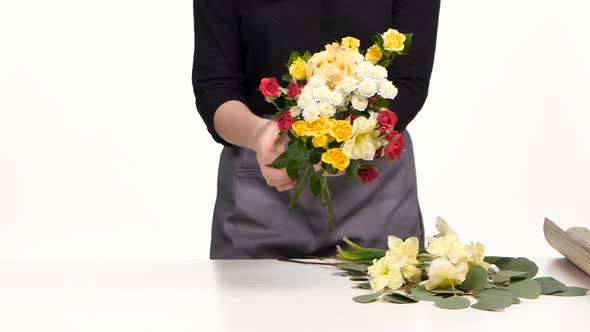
(387, 119)
(294, 90)
(379, 153)
(393, 150)
(393, 135)
(372, 101)
(382, 131)
(368, 174)
(285, 121)
(269, 87)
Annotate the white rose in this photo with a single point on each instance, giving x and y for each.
(359, 102)
(295, 111)
(387, 89)
(378, 73)
(311, 112)
(321, 93)
(336, 98)
(364, 69)
(348, 85)
(368, 87)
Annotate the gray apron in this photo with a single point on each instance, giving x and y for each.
(253, 220)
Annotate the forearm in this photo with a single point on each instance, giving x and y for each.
(236, 124)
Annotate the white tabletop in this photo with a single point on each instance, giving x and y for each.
(247, 295)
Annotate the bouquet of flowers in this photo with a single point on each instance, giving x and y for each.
(336, 113)
(445, 272)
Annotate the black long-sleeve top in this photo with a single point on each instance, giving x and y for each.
(238, 42)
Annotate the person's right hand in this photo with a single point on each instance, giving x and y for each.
(269, 145)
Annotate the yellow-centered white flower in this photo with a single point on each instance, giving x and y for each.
(336, 98)
(321, 93)
(387, 89)
(305, 98)
(386, 272)
(368, 87)
(364, 69)
(409, 247)
(317, 81)
(442, 273)
(378, 73)
(327, 109)
(311, 112)
(295, 111)
(359, 102)
(348, 84)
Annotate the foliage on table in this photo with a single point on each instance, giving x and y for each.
(446, 272)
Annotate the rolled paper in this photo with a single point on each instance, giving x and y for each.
(574, 243)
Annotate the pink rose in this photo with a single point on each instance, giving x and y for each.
(368, 174)
(387, 119)
(285, 121)
(269, 87)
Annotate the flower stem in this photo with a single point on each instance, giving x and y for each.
(329, 201)
(300, 185)
(308, 263)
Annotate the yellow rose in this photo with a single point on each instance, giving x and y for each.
(300, 128)
(374, 54)
(336, 158)
(393, 40)
(297, 69)
(318, 126)
(351, 43)
(334, 64)
(320, 141)
(341, 130)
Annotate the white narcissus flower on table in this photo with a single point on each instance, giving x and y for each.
(442, 273)
(477, 252)
(362, 143)
(446, 244)
(386, 272)
(409, 247)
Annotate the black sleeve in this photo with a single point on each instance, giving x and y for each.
(217, 65)
(411, 73)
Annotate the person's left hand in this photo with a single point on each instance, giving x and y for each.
(317, 167)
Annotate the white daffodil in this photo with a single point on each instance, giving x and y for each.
(409, 247)
(326, 109)
(311, 112)
(364, 69)
(386, 272)
(363, 143)
(336, 98)
(359, 102)
(411, 273)
(348, 84)
(378, 73)
(322, 93)
(368, 87)
(387, 89)
(295, 111)
(477, 252)
(442, 273)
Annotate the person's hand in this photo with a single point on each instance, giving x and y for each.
(269, 145)
(317, 167)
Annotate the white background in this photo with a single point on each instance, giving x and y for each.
(102, 153)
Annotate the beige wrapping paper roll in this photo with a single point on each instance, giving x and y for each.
(574, 243)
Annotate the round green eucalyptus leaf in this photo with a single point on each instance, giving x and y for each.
(364, 285)
(550, 285)
(454, 302)
(499, 278)
(400, 298)
(476, 278)
(423, 295)
(367, 298)
(359, 279)
(510, 274)
(492, 303)
(571, 291)
(528, 289)
(499, 292)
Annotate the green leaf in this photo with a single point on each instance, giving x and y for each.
(315, 157)
(359, 278)
(476, 278)
(296, 151)
(281, 161)
(520, 264)
(357, 273)
(499, 278)
(293, 57)
(423, 295)
(365, 285)
(287, 78)
(454, 302)
(378, 40)
(571, 291)
(407, 44)
(510, 274)
(306, 56)
(400, 298)
(499, 292)
(492, 303)
(353, 266)
(528, 289)
(446, 291)
(293, 169)
(550, 285)
(353, 169)
(315, 183)
(367, 298)
(382, 103)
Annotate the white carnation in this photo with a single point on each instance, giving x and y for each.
(327, 109)
(321, 93)
(357, 57)
(387, 89)
(348, 84)
(359, 102)
(364, 69)
(368, 87)
(336, 98)
(317, 81)
(378, 73)
(295, 111)
(311, 112)
(305, 98)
